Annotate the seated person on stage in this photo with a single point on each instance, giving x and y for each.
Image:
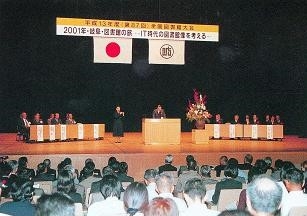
(255, 120)
(37, 120)
(218, 119)
(272, 120)
(122, 173)
(185, 168)
(223, 163)
(278, 120)
(247, 120)
(168, 164)
(159, 113)
(23, 126)
(236, 119)
(49, 120)
(70, 119)
(231, 172)
(42, 175)
(267, 120)
(56, 120)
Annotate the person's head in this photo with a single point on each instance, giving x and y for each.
(123, 167)
(115, 166)
(159, 107)
(205, 171)
(267, 117)
(135, 198)
(22, 190)
(235, 212)
(236, 117)
(233, 161)
(231, 171)
(111, 160)
(223, 160)
(37, 116)
(88, 169)
(168, 159)
(248, 158)
(255, 117)
(189, 158)
(23, 115)
(272, 118)
(165, 183)
(261, 164)
(107, 171)
(88, 160)
(278, 164)
(65, 182)
(253, 173)
(22, 162)
(47, 162)
(277, 117)
(57, 115)
(110, 186)
(194, 191)
(150, 175)
(304, 166)
(41, 168)
(51, 116)
(14, 165)
(192, 165)
(285, 166)
(263, 196)
(70, 116)
(247, 117)
(293, 179)
(218, 116)
(161, 207)
(117, 109)
(57, 204)
(67, 161)
(268, 161)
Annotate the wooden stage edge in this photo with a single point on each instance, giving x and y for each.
(141, 157)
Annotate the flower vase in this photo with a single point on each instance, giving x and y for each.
(200, 124)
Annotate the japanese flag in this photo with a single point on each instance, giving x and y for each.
(166, 52)
(112, 50)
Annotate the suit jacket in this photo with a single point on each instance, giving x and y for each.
(234, 122)
(167, 167)
(218, 122)
(157, 115)
(21, 126)
(56, 121)
(51, 171)
(123, 177)
(37, 122)
(226, 183)
(219, 169)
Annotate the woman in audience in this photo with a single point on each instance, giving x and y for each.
(22, 192)
(135, 198)
(23, 171)
(161, 207)
(67, 186)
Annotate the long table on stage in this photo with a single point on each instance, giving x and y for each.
(161, 131)
(66, 132)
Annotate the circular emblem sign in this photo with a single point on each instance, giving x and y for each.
(166, 51)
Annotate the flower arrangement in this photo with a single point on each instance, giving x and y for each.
(197, 110)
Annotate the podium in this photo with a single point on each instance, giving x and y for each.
(161, 131)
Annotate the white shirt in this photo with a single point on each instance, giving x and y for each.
(284, 191)
(182, 206)
(294, 199)
(109, 206)
(152, 193)
(199, 210)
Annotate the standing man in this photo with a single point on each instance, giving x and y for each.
(158, 113)
(118, 126)
(23, 126)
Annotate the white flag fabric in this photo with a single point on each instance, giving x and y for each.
(80, 131)
(112, 50)
(51, 132)
(232, 131)
(63, 132)
(216, 131)
(40, 133)
(254, 131)
(166, 52)
(96, 131)
(269, 131)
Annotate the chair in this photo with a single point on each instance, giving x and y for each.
(47, 186)
(78, 209)
(228, 199)
(298, 211)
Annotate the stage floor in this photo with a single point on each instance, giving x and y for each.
(141, 157)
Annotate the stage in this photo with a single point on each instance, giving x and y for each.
(141, 157)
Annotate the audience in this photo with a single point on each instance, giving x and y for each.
(110, 188)
(165, 188)
(194, 194)
(277, 170)
(57, 204)
(293, 180)
(150, 181)
(205, 172)
(161, 207)
(23, 171)
(185, 168)
(247, 165)
(50, 171)
(122, 173)
(263, 196)
(135, 198)
(42, 173)
(221, 166)
(168, 164)
(66, 185)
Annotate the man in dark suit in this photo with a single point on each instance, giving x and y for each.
(236, 119)
(56, 120)
(247, 165)
(122, 173)
(50, 171)
(255, 120)
(168, 164)
(42, 175)
(159, 113)
(221, 166)
(37, 120)
(218, 119)
(23, 126)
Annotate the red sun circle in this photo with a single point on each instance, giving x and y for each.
(113, 49)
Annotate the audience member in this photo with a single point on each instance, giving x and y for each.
(87, 175)
(293, 180)
(262, 165)
(42, 174)
(110, 188)
(122, 173)
(168, 164)
(189, 174)
(221, 166)
(95, 187)
(235, 213)
(268, 161)
(21, 192)
(185, 168)
(277, 170)
(242, 176)
(66, 185)
(205, 172)
(135, 198)
(165, 188)
(161, 207)
(194, 194)
(57, 204)
(230, 172)
(263, 196)
(50, 171)
(150, 181)
(247, 165)
(23, 171)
